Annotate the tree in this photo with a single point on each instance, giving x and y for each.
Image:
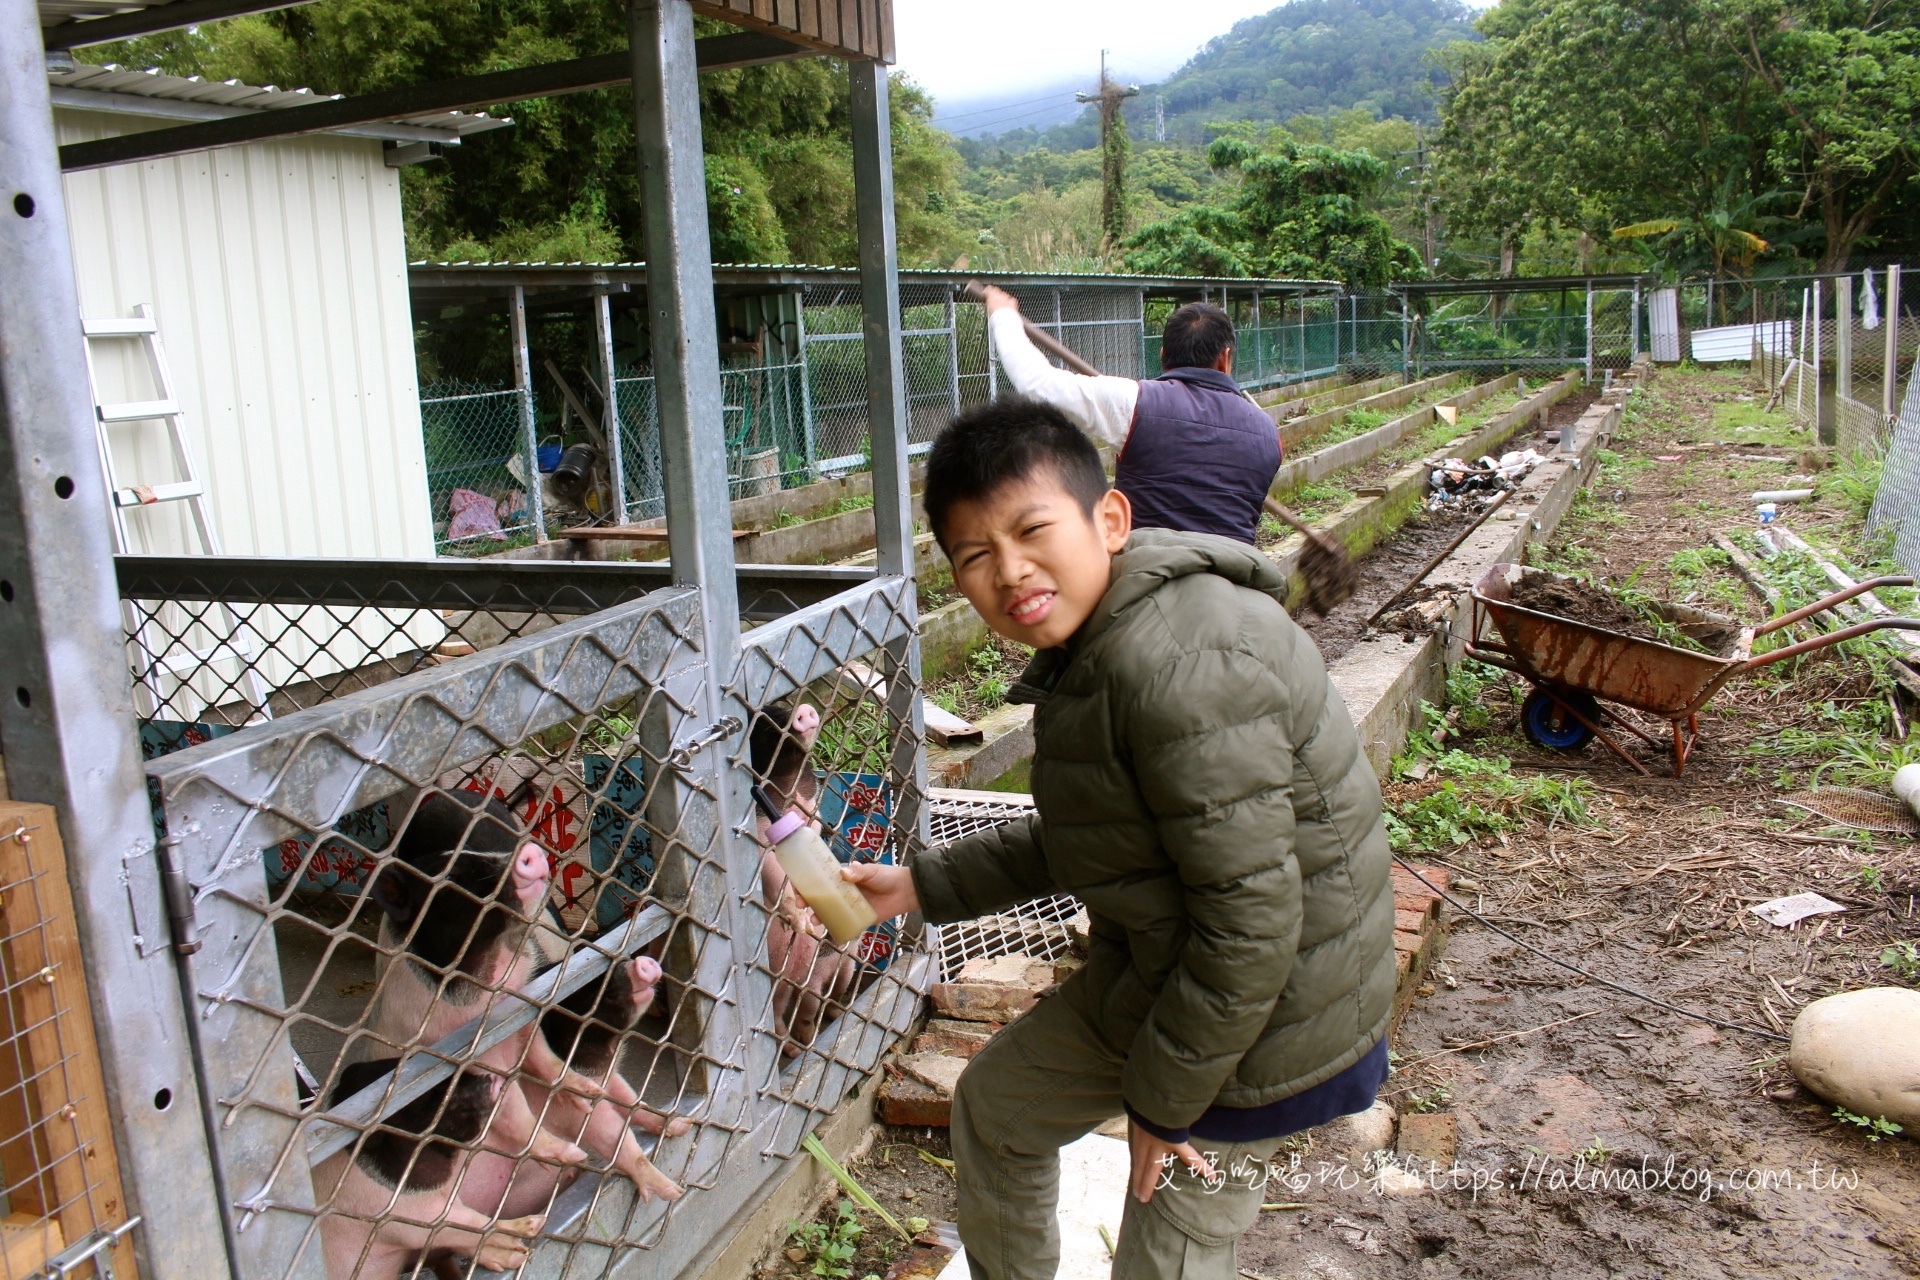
(563, 181)
(1586, 115)
(1297, 211)
(1845, 78)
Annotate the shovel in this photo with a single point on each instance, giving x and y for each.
(1325, 566)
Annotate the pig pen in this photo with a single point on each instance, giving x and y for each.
(580, 706)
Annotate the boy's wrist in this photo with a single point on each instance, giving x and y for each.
(1174, 1136)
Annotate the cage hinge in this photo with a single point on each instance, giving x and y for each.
(96, 1248)
(181, 925)
(681, 757)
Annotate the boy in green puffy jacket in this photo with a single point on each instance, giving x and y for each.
(1199, 785)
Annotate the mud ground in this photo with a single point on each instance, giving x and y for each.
(1654, 895)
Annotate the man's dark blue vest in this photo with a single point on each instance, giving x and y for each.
(1200, 456)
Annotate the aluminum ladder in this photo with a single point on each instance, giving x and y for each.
(165, 654)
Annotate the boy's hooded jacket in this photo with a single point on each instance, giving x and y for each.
(1200, 787)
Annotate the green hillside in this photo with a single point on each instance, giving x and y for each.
(1310, 57)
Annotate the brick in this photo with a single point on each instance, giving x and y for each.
(949, 1044)
(1429, 1139)
(1403, 940)
(907, 1102)
(993, 990)
(981, 1031)
(1405, 921)
(938, 1071)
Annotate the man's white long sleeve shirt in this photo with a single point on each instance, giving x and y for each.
(1100, 406)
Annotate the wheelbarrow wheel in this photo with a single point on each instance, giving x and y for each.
(1547, 723)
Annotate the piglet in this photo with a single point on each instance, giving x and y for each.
(811, 975)
(393, 1196)
(463, 900)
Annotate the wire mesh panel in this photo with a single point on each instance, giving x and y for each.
(1896, 504)
(1042, 928)
(476, 465)
(62, 1200)
(1501, 330)
(494, 970)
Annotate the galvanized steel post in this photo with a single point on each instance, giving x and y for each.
(523, 383)
(1635, 324)
(1843, 338)
(888, 420)
(686, 363)
(1892, 323)
(1822, 429)
(1589, 330)
(68, 716)
(616, 447)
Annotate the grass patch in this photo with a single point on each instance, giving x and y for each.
(982, 686)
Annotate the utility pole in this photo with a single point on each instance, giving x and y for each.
(1113, 153)
(1159, 117)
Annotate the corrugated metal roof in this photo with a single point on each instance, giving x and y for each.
(126, 90)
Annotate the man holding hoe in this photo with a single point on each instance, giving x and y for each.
(1194, 452)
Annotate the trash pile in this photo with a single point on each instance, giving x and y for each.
(1460, 485)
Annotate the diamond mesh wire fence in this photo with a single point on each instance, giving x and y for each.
(496, 970)
(1896, 504)
(476, 465)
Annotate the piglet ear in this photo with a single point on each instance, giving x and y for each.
(392, 890)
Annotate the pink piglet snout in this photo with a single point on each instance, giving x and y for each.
(531, 875)
(645, 972)
(805, 722)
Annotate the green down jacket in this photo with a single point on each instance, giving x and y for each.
(1199, 785)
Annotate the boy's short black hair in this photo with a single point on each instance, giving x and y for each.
(1002, 442)
(1195, 336)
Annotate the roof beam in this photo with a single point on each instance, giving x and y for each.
(575, 75)
(156, 17)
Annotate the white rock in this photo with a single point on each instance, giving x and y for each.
(1365, 1131)
(1861, 1050)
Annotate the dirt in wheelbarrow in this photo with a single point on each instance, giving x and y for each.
(1592, 1133)
(1575, 600)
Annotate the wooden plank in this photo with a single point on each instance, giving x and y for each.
(69, 1093)
(809, 18)
(829, 21)
(26, 1242)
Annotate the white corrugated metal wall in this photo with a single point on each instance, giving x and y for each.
(278, 274)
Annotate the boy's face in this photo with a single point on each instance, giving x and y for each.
(1031, 561)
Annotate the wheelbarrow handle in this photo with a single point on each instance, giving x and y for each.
(1832, 637)
(1838, 597)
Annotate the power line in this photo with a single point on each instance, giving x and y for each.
(1005, 106)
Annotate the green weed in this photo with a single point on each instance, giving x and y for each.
(1877, 1127)
(1481, 797)
(825, 1248)
(1852, 484)
(1870, 880)
(1597, 1153)
(1904, 959)
(1428, 1100)
(1318, 499)
(787, 519)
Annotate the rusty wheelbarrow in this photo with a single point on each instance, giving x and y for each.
(1575, 666)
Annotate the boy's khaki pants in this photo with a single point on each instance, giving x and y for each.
(1043, 1082)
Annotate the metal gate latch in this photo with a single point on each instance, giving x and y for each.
(680, 759)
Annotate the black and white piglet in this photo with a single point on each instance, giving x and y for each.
(394, 1196)
(463, 933)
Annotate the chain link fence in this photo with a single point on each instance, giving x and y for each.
(495, 972)
(1896, 504)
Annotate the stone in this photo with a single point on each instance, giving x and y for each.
(1428, 1139)
(938, 1071)
(1395, 1181)
(1861, 1050)
(1358, 1135)
(906, 1102)
(993, 989)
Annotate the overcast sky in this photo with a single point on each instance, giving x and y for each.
(984, 49)
(1025, 57)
